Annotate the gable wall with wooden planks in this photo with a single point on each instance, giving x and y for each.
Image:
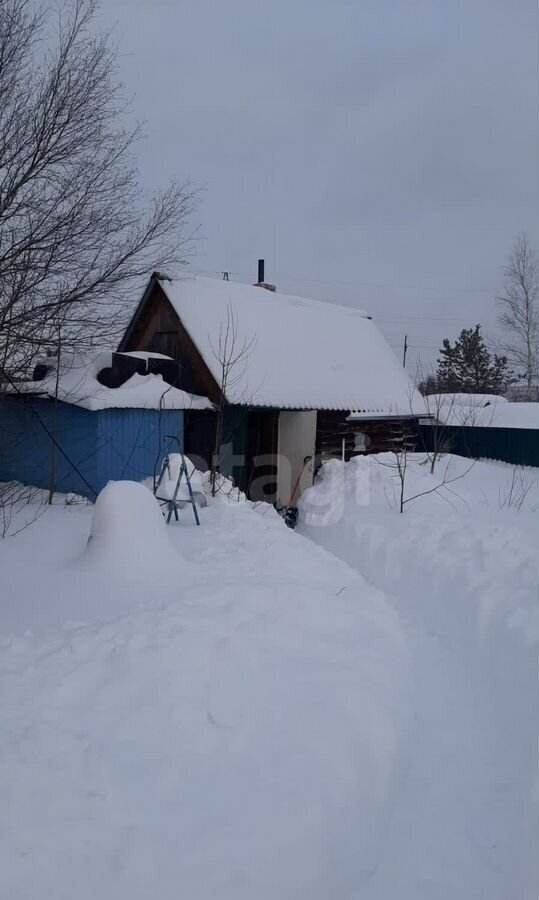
(157, 327)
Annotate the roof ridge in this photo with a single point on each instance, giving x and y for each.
(275, 295)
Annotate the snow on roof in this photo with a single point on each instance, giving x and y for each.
(305, 354)
(481, 411)
(78, 385)
(433, 401)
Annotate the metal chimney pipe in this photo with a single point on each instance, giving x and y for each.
(260, 271)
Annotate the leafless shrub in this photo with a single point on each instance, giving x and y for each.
(517, 493)
(400, 466)
(13, 498)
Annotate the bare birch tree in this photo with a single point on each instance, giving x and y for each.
(76, 233)
(519, 304)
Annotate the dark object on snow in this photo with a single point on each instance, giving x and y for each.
(169, 369)
(41, 370)
(161, 276)
(289, 514)
(125, 366)
(122, 369)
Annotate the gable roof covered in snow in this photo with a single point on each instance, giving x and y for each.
(303, 354)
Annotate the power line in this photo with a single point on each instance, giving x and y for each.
(400, 286)
(433, 320)
(377, 284)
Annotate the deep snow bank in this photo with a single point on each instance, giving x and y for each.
(464, 580)
(465, 539)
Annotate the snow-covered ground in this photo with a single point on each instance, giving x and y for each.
(206, 712)
(460, 567)
(241, 711)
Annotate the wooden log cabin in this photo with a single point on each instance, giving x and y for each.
(299, 381)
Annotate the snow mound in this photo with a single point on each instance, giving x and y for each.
(128, 529)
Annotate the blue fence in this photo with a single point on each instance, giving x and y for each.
(519, 446)
(94, 447)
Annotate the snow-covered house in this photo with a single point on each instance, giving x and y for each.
(92, 419)
(307, 365)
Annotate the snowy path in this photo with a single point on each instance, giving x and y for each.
(196, 722)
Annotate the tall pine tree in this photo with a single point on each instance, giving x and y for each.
(467, 366)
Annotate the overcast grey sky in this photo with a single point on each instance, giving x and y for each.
(378, 153)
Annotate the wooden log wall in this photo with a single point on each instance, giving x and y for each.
(386, 434)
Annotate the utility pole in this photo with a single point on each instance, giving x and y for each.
(405, 350)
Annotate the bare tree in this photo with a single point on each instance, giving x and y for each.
(400, 465)
(519, 303)
(76, 233)
(231, 351)
(403, 449)
(438, 413)
(445, 412)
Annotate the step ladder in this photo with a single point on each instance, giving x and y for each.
(171, 503)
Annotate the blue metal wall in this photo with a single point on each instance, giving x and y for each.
(130, 442)
(26, 449)
(111, 444)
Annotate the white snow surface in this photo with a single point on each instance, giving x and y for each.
(242, 711)
(305, 354)
(78, 385)
(221, 722)
(460, 567)
(481, 411)
(463, 399)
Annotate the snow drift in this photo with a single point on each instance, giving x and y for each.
(461, 567)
